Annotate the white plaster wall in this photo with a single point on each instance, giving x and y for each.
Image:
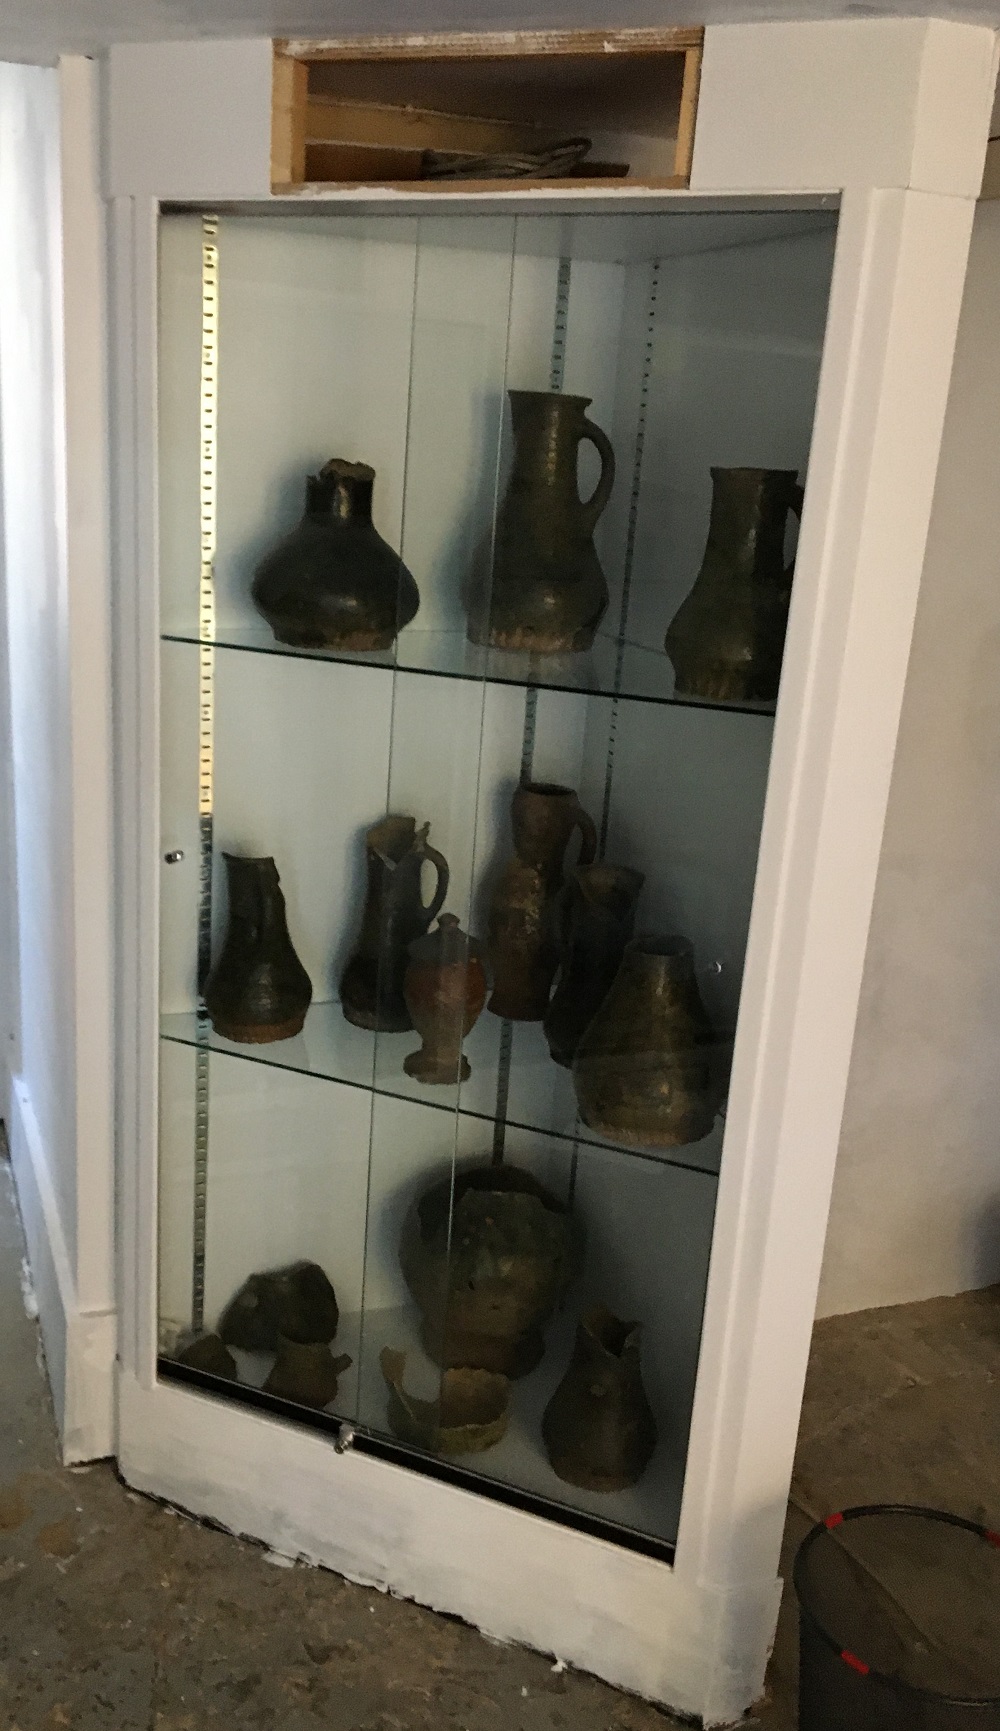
(916, 1202)
(58, 1103)
(38, 625)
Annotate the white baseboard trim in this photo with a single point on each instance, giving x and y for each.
(80, 1345)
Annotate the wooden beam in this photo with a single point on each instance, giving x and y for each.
(289, 95)
(492, 45)
(688, 113)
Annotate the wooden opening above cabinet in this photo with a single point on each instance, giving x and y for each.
(436, 113)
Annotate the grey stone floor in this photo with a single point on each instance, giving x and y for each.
(117, 1614)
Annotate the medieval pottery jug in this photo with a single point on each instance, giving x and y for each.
(371, 989)
(487, 1279)
(598, 1427)
(523, 945)
(445, 990)
(596, 913)
(727, 638)
(333, 583)
(469, 1415)
(306, 1372)
(296, 1303)
(643, 1069)
(547, 592)
(258, 990)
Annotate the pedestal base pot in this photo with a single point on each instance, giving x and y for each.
(307, 1374)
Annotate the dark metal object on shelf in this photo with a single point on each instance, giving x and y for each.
(727, 638)
(596, 914)
(296, 1303)
(553, 162)
(445, 990)
(470, 1414)
(258, 990)
(486, 1262)
(643, 1069)
(598, 1427)
(546, 592)
(209, 1353)
(306, 1372)
(333, 582)
(371, 988)
(523, 948)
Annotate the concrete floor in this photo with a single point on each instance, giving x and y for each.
(117, 1614)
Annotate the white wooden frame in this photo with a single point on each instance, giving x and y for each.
(892, 115)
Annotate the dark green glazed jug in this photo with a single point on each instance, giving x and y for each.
(548, 593)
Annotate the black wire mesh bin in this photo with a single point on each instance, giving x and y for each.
(899, 1617)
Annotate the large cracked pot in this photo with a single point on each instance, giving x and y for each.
(486, 1289)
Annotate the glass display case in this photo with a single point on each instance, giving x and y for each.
(477, 541)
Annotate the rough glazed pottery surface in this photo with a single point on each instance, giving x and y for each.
(523, 942)
(258, 990)
(486, 1288)
(548, 593)
(727, 638)
(371, 989)
(296, 1303)
(333, 583)
(596, 913)
(445, 990)
(643, 1069)
(306, 1372)
(469, 1415)
(598, 1427)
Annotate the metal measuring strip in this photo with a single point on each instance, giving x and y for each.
(208, 508)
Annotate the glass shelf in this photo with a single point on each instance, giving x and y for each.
(540, 1097)
(633, 672)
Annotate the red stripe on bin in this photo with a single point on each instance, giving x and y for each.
(833, 1520)
(994, 1539)
(855, 1663)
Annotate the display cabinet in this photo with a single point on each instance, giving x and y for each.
(561, 415)
(515, 590)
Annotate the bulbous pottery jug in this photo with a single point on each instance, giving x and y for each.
(522, 941)
(643, 1070)
(306, 1372)
(258, 990)
(445, 990)
(547, 592)
(296, 1303)
(333, 583)
(486, 1286)
(371, 988)
(727, 638)
(596, 914)
(598, 1428)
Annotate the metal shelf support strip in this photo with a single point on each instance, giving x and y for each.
(208, 503)
(629, 555)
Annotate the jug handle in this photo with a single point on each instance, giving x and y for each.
(795, 504)
(440, 865)
(588, 836)
(602, 492)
